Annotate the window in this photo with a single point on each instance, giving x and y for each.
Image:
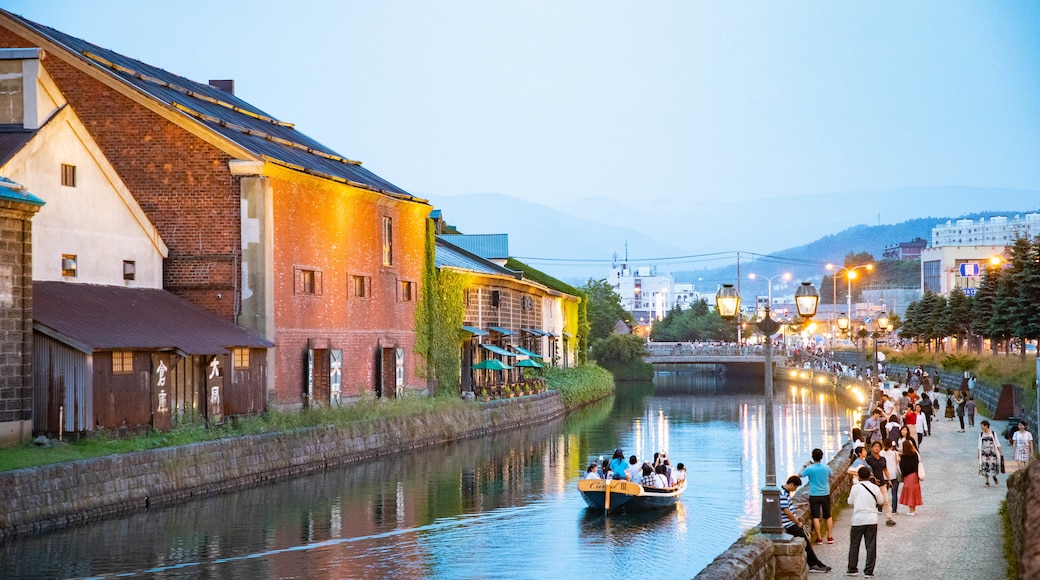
(526, 303)
(129, 269)
(361, 286)
(388, 241)
(308, 281)
(241, 356)
(122, 362)
(68, 175)
(932, 274)
(407, 291)
(11, 98)
(68, 265)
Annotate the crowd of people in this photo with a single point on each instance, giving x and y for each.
(657, 473)
(887, 466)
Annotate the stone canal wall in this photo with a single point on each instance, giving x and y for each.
(755, 557)
(58, 495)
(1023, 518)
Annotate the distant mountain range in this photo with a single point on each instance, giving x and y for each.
(696, 238)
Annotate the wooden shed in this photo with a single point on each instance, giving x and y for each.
(110, 357)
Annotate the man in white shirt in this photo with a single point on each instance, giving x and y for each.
(864, 497)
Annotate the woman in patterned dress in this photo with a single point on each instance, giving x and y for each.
(989, 453)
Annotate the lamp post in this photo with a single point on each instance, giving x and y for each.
(727, 302)
(849, 275)
(882, 326)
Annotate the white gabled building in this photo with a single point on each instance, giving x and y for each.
(91, 229)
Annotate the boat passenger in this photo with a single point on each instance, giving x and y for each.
(618, 465)
(661, 477)
(593, 471)
(634, 470)
(648, 479)
(679, 475)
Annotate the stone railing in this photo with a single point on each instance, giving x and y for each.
(755, 557)
(55, 496)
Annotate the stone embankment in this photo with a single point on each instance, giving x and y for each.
(63, 494)
(753, 557)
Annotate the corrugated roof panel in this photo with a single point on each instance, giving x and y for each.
(118, 318)
(449, 255)
(221, 119)
(488, 246)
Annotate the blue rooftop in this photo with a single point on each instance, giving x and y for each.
(451, 256)
(488, 246)
(11, 191)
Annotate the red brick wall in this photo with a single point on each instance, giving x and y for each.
(337, 231)
(185, 187)
(182, 183)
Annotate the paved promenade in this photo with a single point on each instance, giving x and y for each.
(956, 534)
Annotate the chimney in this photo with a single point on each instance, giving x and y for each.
(226, 85)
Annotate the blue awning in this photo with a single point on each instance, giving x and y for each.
(502, 331)
(526, 352)
(534, 331)
(498, 350)
(475, 331)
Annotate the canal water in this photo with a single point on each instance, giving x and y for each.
(501, 507)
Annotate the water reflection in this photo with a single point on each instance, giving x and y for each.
(498, 507)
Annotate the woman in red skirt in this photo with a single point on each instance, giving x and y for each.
(909, 461)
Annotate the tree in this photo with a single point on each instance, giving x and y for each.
(911, 328)
(604, 309)
(618, 349)
(1026, 273)
(982, 305)
(957, 317)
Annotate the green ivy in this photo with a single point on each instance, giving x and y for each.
(447, 334)
(438, 322)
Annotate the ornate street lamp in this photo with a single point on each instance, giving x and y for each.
(806, 299)
(843, 323)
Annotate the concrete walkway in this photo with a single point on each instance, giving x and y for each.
(956, 534)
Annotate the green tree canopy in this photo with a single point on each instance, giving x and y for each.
(604, 309)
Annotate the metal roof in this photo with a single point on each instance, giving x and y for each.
(498, 350)
(11, 191)
(487, 246)
(450, 255)
(92, 317)
(12, 141)
(225, 114)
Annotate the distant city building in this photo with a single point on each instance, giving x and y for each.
(946, 268)
(998, 231)
(961, 250)
(643, 292)
(905, 250)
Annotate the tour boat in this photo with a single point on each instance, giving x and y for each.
(619, 496)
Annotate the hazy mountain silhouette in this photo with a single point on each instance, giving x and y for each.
(578, 240)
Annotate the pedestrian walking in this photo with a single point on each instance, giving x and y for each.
(819, 475)
(864, 497)
(1023, 441)
(879, 468)
(795, 526)
(961, 403)
(891, 455)
(969, 407)
(948, 410)
(909, 463)
(989, 453)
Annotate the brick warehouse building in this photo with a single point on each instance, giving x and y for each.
(265, 227)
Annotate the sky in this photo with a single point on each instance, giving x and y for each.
(556, 102)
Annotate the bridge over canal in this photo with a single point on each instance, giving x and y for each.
(708, 353)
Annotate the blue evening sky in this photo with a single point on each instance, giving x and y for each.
(559, 101)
